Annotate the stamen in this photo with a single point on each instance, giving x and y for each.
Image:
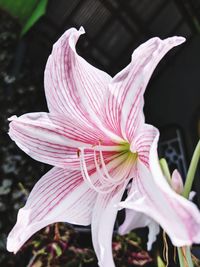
(100, 141)
(165, 249)
(174, 256)
(118, 148)
(78, 152)
(101, 176)
(106, 181)
(107, 176)
(87, 178)
(110, 178)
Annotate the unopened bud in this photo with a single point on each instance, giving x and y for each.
(177, 182)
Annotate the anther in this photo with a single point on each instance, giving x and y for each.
(78, 152)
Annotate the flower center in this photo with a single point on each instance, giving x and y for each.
(112, 165)
(126, 148)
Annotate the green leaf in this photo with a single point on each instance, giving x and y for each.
(57, 249)
(36, 243)
(191, 172)
(160, 262)
(26, 11)
(21, 9)
(37, 13)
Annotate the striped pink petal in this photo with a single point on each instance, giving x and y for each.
(54, 139)
(177, 216)
(73, 86)
(134, 220)
(59, 196)
(103, 219)
(125, 102)
(143, 141)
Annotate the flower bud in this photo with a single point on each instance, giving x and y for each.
(177, 182)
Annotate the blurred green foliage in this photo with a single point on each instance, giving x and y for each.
(27, 12)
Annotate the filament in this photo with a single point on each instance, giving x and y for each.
(87, 178)
(120, 164)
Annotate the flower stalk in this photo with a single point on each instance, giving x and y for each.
(165, 169)
(189, 257)
(181, 258)
(191, 171)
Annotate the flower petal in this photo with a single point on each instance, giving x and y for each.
(70, 80)
(177, 216)
(135, 220)
(143, 141)
(125, 102)
(59, 196)
(72, 85)
(54, 139)
(192, 195)
(103, 219)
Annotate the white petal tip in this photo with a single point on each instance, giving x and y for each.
(121, 230)
(192, 195)
(81, 30)
(11, 246)
(179, 40)
(12, 118)
(154, 230)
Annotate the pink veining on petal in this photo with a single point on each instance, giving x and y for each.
(55, 140)
(103, 219)
(125, 101)
(60, 195)
(82, 87)
(143, 141)
(177, 216)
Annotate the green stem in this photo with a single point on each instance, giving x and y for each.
(165, 169)
(189, 257)
(191, 171)
(185, 261)
(180, 256)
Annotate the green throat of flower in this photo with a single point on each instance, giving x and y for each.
(125, 149)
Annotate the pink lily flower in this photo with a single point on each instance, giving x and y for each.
(96, 138)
